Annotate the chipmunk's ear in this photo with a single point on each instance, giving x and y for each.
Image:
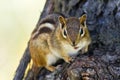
(62, 21)
(83, 19)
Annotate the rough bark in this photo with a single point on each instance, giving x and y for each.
(102, 62)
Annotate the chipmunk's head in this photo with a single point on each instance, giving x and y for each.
(74, 31)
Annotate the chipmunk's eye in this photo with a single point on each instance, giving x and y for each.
(64, 33)
(81, 32)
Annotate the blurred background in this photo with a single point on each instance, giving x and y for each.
(18, 18)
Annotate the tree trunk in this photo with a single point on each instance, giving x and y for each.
(102, 62)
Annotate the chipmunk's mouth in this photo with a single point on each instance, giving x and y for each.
(76, 47)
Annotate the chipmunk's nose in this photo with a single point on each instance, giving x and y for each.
(73, 43)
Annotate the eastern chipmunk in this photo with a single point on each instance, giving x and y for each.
(58, 38)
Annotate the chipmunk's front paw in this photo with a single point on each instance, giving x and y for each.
(68, 59)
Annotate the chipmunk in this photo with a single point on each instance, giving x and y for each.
(58, 38)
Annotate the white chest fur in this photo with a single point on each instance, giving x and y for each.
(54, 56)
(51, 59)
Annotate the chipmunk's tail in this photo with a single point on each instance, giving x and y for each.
(25, 60)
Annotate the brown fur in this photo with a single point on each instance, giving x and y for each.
(37, 46)
(73, 27)
(42, 30)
